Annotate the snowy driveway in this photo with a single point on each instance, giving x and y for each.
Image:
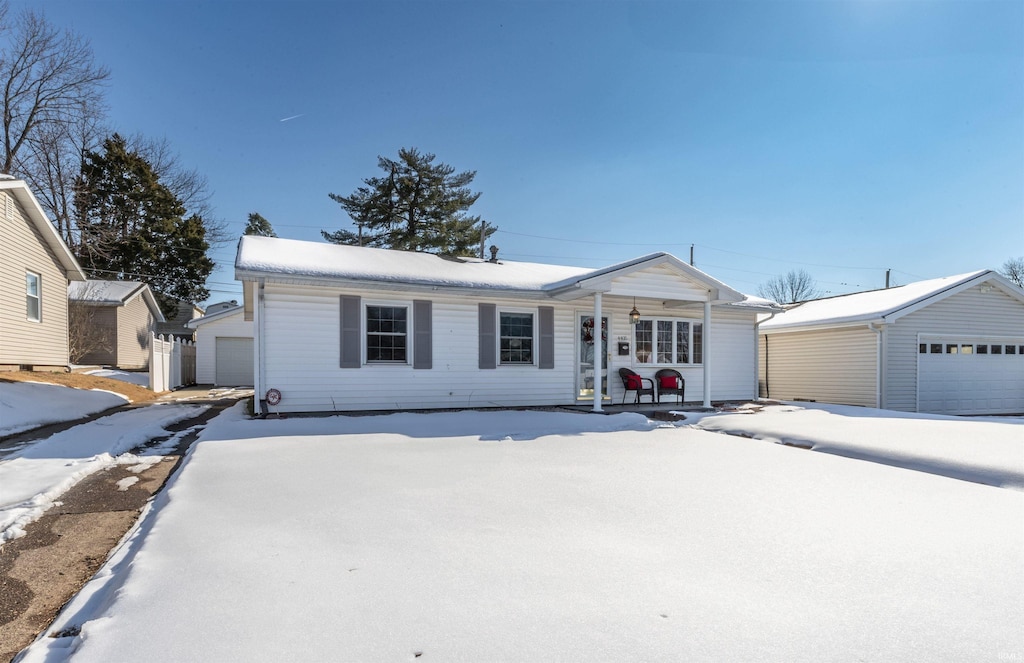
(527, 536)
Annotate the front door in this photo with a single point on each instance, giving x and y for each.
(585, 372)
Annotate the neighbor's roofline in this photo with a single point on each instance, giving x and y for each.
(906, 308)
(38, 217)
(213, 317)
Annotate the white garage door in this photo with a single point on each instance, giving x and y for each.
(970, 376)
(234, 361)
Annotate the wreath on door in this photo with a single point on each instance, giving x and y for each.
(588, 331)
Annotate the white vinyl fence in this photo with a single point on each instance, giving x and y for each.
(172, 363)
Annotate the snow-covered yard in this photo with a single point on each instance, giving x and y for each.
(32, 478)
(140, 378)
(25, 405)
(531, 536)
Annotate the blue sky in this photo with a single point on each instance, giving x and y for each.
(843, 138)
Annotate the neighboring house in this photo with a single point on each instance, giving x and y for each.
(174, 325)
(224, 355)
(953, 345)
(111, 322)
(351, 328)
(35, 269)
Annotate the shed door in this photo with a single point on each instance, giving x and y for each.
(234, 362)
(970, 376)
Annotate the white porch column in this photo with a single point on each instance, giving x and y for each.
(598, 354)
(707, 351)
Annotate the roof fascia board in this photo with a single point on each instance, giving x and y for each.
(393, 286)
(213, 317)
(876, 322)
(42, 223)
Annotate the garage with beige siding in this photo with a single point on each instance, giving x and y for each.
(951, 345)
(796, 360)
(224, 348)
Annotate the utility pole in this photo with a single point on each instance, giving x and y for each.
(483, 237)
(887, 278)
(691, 255)
(359, 225)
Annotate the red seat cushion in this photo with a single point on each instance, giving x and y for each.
(668, 382)
(633, 382)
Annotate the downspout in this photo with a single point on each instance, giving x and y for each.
(878, 363)
(757, 351)
(259, 376)
(599, 351)
(707, 351)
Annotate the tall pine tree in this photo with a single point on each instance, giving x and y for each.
(417, 205)
(131, 227)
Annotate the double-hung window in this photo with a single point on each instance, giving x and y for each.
(387, 334)
(668, 341)
(516, 334)
(33, 297)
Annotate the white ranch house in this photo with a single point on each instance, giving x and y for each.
(343, 328)
(953, 345)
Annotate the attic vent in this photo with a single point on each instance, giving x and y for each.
(8, 207)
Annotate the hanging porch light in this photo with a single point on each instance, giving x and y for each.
(634, 315)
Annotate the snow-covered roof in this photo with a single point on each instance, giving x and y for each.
(261, 256)
(216, 315)
(336, 261)
(880, 305)
(112, 293)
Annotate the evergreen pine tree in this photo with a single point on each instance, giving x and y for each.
(133, 228)
(417, 205)
(257, 225)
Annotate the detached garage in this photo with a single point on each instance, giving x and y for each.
(953, 345)
(224, 350)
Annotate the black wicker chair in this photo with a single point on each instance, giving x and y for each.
(670, 381)
(633, 382)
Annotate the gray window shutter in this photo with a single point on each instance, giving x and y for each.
(423, 334)
(546, 325)
(488, 337)
(351, 332)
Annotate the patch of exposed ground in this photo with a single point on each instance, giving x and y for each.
(134, 392)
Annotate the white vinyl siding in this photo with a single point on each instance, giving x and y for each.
(971, 313)
(829, 366)
(301, 332)
(230, 326)
(23, 249)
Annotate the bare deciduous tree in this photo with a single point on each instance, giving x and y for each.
(47, 79)
(795, 286)
(85, 334)
(1013, 269)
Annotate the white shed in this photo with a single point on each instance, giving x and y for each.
(953, 345)
(224, 348)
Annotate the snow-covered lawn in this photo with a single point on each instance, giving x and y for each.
(986, 450)
(33, 477)
(531, 536)
(25, 405)
(140, 378)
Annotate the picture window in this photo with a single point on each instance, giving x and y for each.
(668, 341)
